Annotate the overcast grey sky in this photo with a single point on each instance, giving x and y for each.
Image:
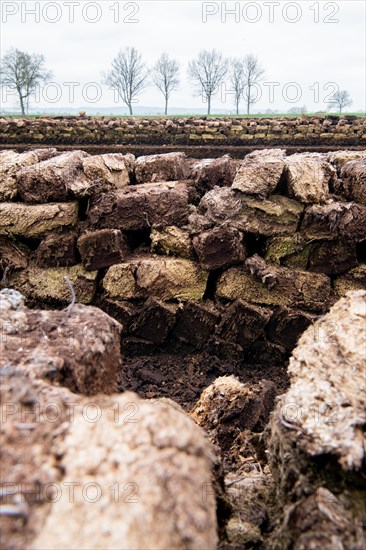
(307, 47)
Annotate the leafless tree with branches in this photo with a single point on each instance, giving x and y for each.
(23, 72)
(165, 76)
(207, 72)
(253, 74)
(237, 80)
(128, 75)
(340, 100)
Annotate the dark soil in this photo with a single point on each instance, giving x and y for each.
(183, 377)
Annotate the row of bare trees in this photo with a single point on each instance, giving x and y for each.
(129, 76)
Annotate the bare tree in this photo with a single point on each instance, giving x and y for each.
(128, 75)
(253, 74)
(237, 80)
(340, 100)
(23, 72)
(165, 76)
(207, 72)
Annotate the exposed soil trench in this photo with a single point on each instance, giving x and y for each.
(184, 377)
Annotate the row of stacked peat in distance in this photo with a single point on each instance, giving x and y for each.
(233, 258)
(304, 131)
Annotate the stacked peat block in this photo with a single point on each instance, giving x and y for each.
(317, 130)
(232, 258)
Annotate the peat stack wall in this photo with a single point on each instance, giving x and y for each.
(314, 131)
(231, 258)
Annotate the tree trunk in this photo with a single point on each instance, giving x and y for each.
(22, 104)
(130, 108)
(166, 105)
(208, 104)
(237, 107)
(248, 105)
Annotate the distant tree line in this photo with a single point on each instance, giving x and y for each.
(129, 76)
